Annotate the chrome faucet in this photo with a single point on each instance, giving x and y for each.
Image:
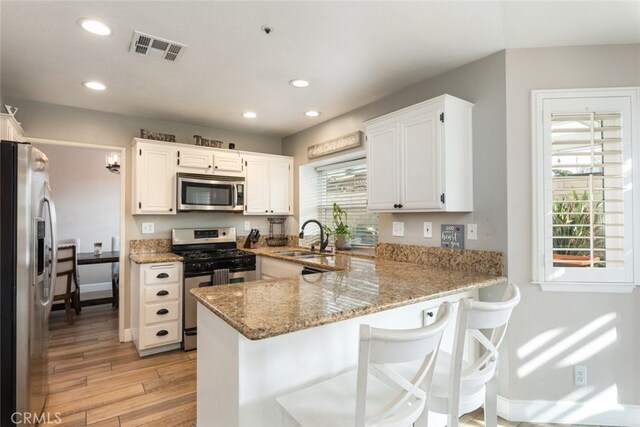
(323, 242)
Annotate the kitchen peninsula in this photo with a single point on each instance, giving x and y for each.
(259, 340)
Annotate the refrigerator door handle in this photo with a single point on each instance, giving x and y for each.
(53, 223)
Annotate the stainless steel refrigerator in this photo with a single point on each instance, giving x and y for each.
(27, 273)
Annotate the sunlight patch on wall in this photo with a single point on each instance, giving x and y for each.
(562, 347)
(586, 351)
(538, 342)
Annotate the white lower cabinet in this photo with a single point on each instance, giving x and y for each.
(156, 309)
(276, 269)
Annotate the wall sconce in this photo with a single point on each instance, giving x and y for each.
(113, 162)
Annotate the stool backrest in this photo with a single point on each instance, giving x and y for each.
(381, 347)
(487, 323)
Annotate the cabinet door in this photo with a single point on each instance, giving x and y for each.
(194, 161)
(257, 185)
(155, 179)
(280, 186)
(383, 186)
(421, 161)
(229, 163)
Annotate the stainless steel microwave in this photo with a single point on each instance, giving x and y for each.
(210, 193)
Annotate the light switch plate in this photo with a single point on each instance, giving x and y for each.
(428, 230)
(247, 226)
(398, 229)
(147, 227)
(472, 231)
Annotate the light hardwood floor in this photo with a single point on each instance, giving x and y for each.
(96, 380)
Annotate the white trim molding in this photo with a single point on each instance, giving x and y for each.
(127, 336)
(568, 412)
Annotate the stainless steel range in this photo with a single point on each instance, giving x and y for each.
(210, 259)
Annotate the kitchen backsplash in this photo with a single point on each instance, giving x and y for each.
(149, 246)
(489, 262)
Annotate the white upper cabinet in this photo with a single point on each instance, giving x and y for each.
(207, 160)
(269, 185)
(154, 178)
(228, 162)
(194, 160)
(420, 158)
(10, 129)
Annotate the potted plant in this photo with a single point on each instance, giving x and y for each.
(341, 231)
(571, 220)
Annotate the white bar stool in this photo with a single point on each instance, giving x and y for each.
(374, 393)
(460, 387)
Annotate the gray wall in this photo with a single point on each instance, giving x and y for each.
(481, 82)
(56, 122)
(554, 319)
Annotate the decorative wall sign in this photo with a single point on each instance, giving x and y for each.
(345, 142)
(157, 136)
(207, 142)
(452, 236)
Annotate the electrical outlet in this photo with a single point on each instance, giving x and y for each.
(428, 230)
(147, 227)
(472, 231)
(398, 229)
(579, 375)
(247, 226)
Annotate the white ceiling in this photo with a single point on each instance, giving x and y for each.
(352, 52)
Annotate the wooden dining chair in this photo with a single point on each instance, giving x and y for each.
(66, 286)
(461, 386)
(374, 393)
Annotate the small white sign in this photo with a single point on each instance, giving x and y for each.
(398, 229)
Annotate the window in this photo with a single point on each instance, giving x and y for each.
(583, 176)
(344, 183)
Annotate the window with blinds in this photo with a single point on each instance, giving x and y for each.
(587, 190)
(586, 226)
(346, 185)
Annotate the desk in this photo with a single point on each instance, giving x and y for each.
(88, 258)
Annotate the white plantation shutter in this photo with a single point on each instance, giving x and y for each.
(587, 230)
(587, 192)
(346, 184)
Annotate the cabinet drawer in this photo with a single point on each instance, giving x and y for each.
(160, 293)
(161, 312)
(165, 273)
(160, 334)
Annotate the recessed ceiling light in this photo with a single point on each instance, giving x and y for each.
(249, 115)
(94, 85)
(95, 27)
(299, 83)
(312, 113)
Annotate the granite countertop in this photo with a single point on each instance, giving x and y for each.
(358, 286)
(155, 257)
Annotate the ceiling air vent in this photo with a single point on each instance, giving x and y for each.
(156, 47)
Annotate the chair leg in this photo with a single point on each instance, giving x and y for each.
(491, 402)
(67, 309)
(76, 301)
(114, 292)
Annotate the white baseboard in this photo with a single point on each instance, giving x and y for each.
(95, 287)
(127, 335)
(567, 412)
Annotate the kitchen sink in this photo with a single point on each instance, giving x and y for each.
(302, 254)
